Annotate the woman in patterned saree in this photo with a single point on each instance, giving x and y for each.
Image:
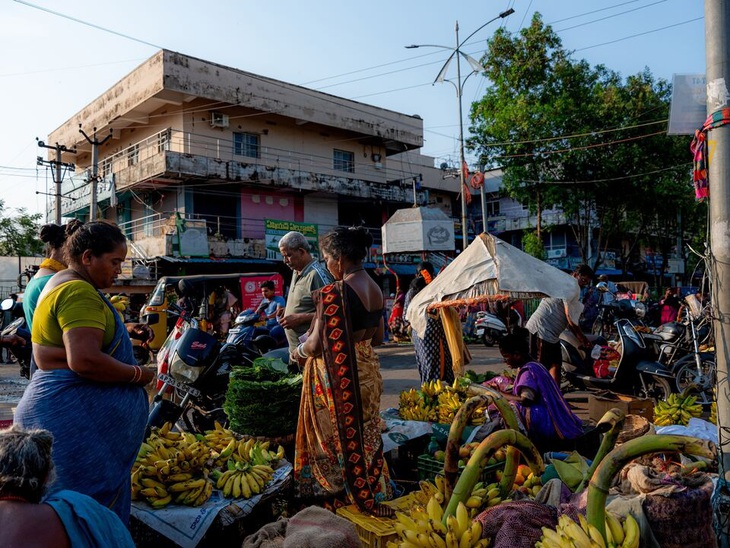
(339, 456)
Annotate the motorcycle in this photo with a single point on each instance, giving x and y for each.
(609, 312)
(634, 375)
(22, 354)
(193, 368)
(490, 328)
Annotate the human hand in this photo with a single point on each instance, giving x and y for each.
(291, 321)
(12, 340)
(141, 332)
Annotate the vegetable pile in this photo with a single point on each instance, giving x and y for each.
(262, 401)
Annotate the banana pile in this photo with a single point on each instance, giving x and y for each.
(713, 413)
(120, 304)
(426, 528)
(569, 534)
(184, 468)
(171, 466)
(677, 409)
(437, 401)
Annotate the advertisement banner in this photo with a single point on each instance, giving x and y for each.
(274, 229)
(251, 289)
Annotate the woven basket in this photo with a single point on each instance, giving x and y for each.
(634, 427)
(682, 520)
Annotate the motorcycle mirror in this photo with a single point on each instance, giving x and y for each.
(7, 304)
(602, 286)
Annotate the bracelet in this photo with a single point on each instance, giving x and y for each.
(137, 374)
(300, 351)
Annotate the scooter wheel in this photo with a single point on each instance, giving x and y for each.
(488, 338)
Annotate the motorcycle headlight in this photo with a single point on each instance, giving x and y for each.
(180, 371)
(640, 310)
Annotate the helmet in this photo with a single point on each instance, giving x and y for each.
(185, 288)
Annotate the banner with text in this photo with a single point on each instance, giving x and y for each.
(274, 229)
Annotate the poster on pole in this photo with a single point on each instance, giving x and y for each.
(274, 229)
(688, 109)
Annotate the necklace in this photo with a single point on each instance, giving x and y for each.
(14, 498)
(52, 264)
(352, 272)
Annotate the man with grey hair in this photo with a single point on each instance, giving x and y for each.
(309, 274)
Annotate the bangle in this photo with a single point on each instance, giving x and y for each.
(137, 374)
(301, 352)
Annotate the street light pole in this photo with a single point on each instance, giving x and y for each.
(459, 85)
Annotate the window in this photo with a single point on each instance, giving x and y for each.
(246, 144)
(493, 208)
(133, 155)
(163, 141)
(344, 160)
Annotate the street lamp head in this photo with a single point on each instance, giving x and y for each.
(506, 13)
(412, 46)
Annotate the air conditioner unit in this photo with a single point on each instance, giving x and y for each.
(556, 253)
(218, 119)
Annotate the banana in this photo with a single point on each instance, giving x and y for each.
(245, 488)
(593, 533)
(551, 536)
(193, 494)
(204, 495)
(236, 491)
(438, 528)
(632, 534)
(220, 483)
(465, 541)
(473, 502)
(153, 492)
(228, 451)
(451, 541)
(476, 530)
(435, 512)
(436, 540)
(423, 540)
(462, 518)
(186, 485)
(149, 482)
(614, 525)
(228, 487)
(160, 503)
(579, 537)
(183, 476)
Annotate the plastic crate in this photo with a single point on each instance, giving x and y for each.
(375, 532)
(429, 468)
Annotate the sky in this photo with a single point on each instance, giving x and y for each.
(60, 56)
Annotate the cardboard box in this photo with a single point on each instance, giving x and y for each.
(598, 405)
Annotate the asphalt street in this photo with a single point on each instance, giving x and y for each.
(397, 365)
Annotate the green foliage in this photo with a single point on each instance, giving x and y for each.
(19, 234)
(532, 244)
(583, 139)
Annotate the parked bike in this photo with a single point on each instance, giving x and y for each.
(193, 368)
(18, 327)
(490, 327)
(617, 309)
(634, 375)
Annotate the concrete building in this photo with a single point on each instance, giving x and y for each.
(203, 158)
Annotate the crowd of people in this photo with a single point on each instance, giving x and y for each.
(86, 397)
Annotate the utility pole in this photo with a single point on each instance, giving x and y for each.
(717, 44)
(94, 167)
(57, 174)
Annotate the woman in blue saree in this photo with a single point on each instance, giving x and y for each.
(88, 391)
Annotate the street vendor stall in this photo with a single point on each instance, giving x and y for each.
(490, 269)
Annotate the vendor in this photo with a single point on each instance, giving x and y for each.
(536, 395)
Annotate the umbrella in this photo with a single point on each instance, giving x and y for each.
(492, 269)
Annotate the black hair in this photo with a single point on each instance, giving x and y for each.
(515, 342)
(584, 270)
(417, 284)
(53, 236)
(427, 266)
(350, 242)
(99, 237)
(268, 284)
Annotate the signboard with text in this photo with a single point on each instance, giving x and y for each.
(251, 289)
(274, 229)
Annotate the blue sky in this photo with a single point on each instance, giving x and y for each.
(53, 66)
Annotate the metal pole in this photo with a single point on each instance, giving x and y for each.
(484, 208)
(58, 184)
(94, 180)
(463, 189)
(717, 43)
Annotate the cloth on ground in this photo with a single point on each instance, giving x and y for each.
(88, 523)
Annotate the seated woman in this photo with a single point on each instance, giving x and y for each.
(64, 519)
(339, 449)
(536, 396)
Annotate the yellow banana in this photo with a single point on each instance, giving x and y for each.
(462, 518)
(438, 528)
(186, 485)
(436, 540)
(160, 503)
(473, 502)
(204, 495)
(245, 488)
(632, 534)
(236, 491)
(435, 512)
(406, 520)
(183, 476)
(614, 525)
(412, 536)
(465, 541)
(423, 540)
(451, 541)
(228, 487)
(579, 537)
(228, 451)
(253, 483)
(149, 482)
(193, 494)
(224, 478)
(476, 530)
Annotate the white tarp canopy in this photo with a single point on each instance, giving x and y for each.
(489, 267)
(418, 229)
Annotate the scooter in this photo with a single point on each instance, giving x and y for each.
(22, 354)
(616, 309)
(193, 368)
(491, 328)
(634, 375)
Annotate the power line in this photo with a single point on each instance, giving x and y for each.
(610, 16)
(612, 179)
(640, 34)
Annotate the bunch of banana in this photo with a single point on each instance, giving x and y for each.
(243, 480)
(433, 388)
(482, 496)
(191, 491)
(713, 413)
(218, 438)
(449, 403)
(426, 528)
(421, 411)
(570, 533)
(120, 304)
(677, 409)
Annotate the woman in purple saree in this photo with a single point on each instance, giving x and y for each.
(536, 396)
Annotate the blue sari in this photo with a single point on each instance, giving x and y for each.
(97, 427)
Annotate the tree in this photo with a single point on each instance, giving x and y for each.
(19, 234)
(582, 139)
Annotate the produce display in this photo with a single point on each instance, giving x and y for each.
(184, 468)
(570, 533)
(437, 401)
(120, 304)
(263, 401)
(677, 409)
